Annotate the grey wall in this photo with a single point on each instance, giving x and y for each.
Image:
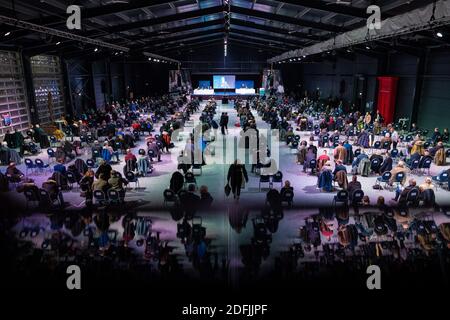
(434, 107)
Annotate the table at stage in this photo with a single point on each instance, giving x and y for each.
(204, 92)
(245, 91)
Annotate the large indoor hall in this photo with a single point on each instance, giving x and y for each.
(242, 145)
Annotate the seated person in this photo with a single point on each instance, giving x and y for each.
(401, 196)
(427, 184)
(323, 159)
(386, 165)
(401, 167)
(287, 187)
(353, 185)
(100, 184)
(339, 167)
(60, 167)
(358, 159)
(14, 174)
(53, 190)
(424, 158)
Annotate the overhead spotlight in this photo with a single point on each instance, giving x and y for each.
(149, 59)
(58, 43)
(304, 56)
(96, 49)
(7, 33)
(368, 47)
(349, 50)
(439, 34)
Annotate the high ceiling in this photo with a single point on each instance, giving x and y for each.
(171, 28)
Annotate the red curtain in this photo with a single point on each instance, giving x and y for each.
(387, 93)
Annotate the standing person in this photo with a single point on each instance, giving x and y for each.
(224, 123)
(236, 176)
(394, 138)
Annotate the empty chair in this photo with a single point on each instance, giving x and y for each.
(297, 138)
(399, 177)
(264, 179)
(141, 152)
(169, 197)
(29, 165)
(91, 163)
(426, 166)
(386, 145)
(151, 154)
(45, 200)
(313, 165)
(51, 154)
(95, 154)
(375, 165)
(356, 197)
(357, 152)
(377, 145)
(131, 177)
(71, 180)
(341, 196)
(40, 165)
(441, 179)
(385, 177)
(412, 198)
(31, 196)
(277, 178)
(53, 141)
(113, 196)
(294, 144)
(394, 153)
(100, 198)
(414, 167)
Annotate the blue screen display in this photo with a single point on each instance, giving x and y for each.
(224, 82)
(204, 84)
(247, 84)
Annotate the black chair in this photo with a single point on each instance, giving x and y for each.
(169, 196)
(40, 165)
(313, 165)
(287, 196)
(294, 144)
(132, 178)
(71, 180)
(96, 154)
(414, 167)
(100, 198)
(385, 177)
(394, 153)
(29, 165)
(357, 197)
(277, 178)
(189, 178)
(45, 200)
(141, 152)
(31, 196)
(399, 177)
(357, 153)
(375, 165)
(426, 166)
(264, 179)
(113, 196)
(51, 154)
(447, 153)
(151, 154)
(91, 163)
(441, 179)
(413, 197)
(341, 196)
(386, 145)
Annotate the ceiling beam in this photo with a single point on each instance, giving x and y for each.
(183, 37)
(238, 36)
(263, 36)
(329, 7)
(287, 19)
(272, 29)
(164, 19)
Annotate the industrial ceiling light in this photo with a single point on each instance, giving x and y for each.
(58, 43)
(7, 33)
(96, 49)
(368, 47)
(439, 34)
